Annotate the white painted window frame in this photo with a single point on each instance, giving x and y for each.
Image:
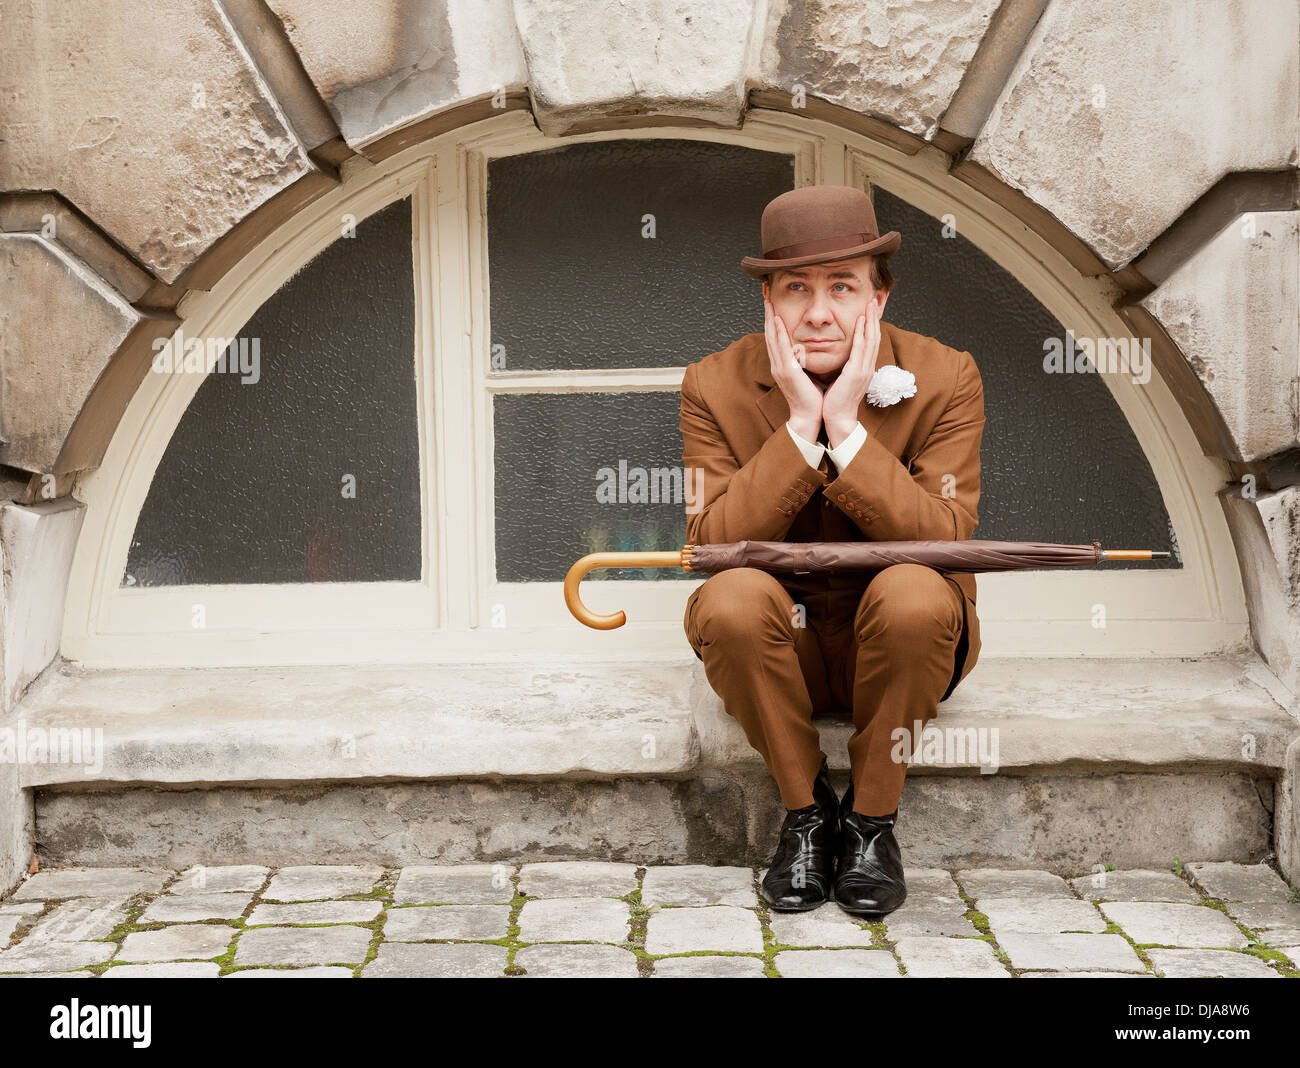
(458, 610)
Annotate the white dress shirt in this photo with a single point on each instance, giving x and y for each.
(841, 456)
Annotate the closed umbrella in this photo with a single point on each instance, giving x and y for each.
(838, 556)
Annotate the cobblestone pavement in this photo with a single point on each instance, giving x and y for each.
(620, 920)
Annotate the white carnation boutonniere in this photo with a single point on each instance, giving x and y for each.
(889, 385)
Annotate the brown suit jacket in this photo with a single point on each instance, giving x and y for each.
(751, 482)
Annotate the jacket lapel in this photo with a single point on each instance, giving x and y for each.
(776, 410)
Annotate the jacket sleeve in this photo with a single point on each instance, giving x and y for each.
(726, 501)
(938, 498)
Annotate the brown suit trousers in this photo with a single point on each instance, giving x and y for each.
(778, 650)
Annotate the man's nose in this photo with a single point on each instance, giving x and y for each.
(819, 311)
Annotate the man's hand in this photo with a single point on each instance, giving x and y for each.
(844, 397)
(802, 394)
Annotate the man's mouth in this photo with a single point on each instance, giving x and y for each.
(819, 341)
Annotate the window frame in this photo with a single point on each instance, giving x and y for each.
(458, 610)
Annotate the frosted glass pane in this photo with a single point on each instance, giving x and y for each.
(575, 284)
(253, 485)
(558, 455)
(1058, 460)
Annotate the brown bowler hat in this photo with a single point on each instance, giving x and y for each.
(817, 224)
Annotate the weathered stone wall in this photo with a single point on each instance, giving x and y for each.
(1060, 822)
(144, 148)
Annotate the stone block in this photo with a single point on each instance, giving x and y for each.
(303, 945)
(187, 908)
(577, 879)
(899, 62)
(383, 66)
(403, 960)
(1232, 310)
(1163, 924)
(1085, 147)
(1070, 952)
(1256, 883)
(55, 956)
(220, 879)
(187, 941)
(454, 883)
(710, 967)
(99, 883)
(316, 912)
(1041, 915)
(836, 964)
(720, 928)
(985, 883)
(1261, 915)
(1209, 964)
(37, 543)
(574, 919)
(167, 83)
(1135, 885)
(698, 884)
(576, 962)
(59, 327)
(423, 923)
(961, 958)
(312, 882)
(172, 970)
(674, 58)
(827, 925)
(74, 921)
(449, 721)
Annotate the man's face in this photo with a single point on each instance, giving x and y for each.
(820, 304)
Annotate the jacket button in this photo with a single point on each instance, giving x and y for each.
(843, 497)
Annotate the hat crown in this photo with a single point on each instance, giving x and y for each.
(816, 213)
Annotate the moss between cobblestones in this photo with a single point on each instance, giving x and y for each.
(981, 922)
(880, 940)
(640, 920)
(1271, 956)
(28, 922)
(765, 926)
(383, 891)
(133, 907)
(512, 927)
(226, 962)
(1113, 928)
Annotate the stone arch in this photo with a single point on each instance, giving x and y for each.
(1206, 594)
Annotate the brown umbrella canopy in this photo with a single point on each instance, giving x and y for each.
(831, 556)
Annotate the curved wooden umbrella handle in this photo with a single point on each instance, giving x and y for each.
(592, 561)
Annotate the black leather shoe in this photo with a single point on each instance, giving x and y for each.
(803, 864)
(869, 875)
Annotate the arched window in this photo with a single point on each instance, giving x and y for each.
(459, 372)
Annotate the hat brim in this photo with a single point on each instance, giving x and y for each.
(885, 245)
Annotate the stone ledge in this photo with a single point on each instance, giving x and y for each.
(225, 726)
(1083, 713)
(352, 723)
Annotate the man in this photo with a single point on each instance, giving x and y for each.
(787, 446)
